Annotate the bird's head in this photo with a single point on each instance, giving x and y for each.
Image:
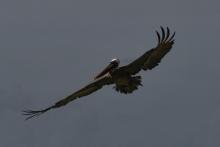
(114, 63)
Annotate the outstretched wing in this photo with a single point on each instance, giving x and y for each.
(90, 88)
(152, 58)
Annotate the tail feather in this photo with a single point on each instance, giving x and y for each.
(135, 81)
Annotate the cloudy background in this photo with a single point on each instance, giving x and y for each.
(50, 48)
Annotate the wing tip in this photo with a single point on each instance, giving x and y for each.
(165, 37)
(34, 113)
(158, 37)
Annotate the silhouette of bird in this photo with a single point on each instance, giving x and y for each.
(123, 77)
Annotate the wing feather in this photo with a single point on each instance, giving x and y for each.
(163, 33)
(152, 58)
(168, 34)
(90, 88)
(158, 37)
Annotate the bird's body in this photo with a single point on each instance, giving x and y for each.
(123, 77)
(125, 82)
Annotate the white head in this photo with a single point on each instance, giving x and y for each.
(115, 61)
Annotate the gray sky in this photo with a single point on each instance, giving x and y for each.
(50, 48)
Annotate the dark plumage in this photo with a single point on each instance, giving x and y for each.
(123, 77)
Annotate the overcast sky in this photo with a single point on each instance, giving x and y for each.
(50, 48)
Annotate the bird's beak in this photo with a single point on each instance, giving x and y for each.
(105, 70)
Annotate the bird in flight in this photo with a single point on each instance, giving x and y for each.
(123, 77)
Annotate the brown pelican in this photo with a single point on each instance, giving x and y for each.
(123, 77)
